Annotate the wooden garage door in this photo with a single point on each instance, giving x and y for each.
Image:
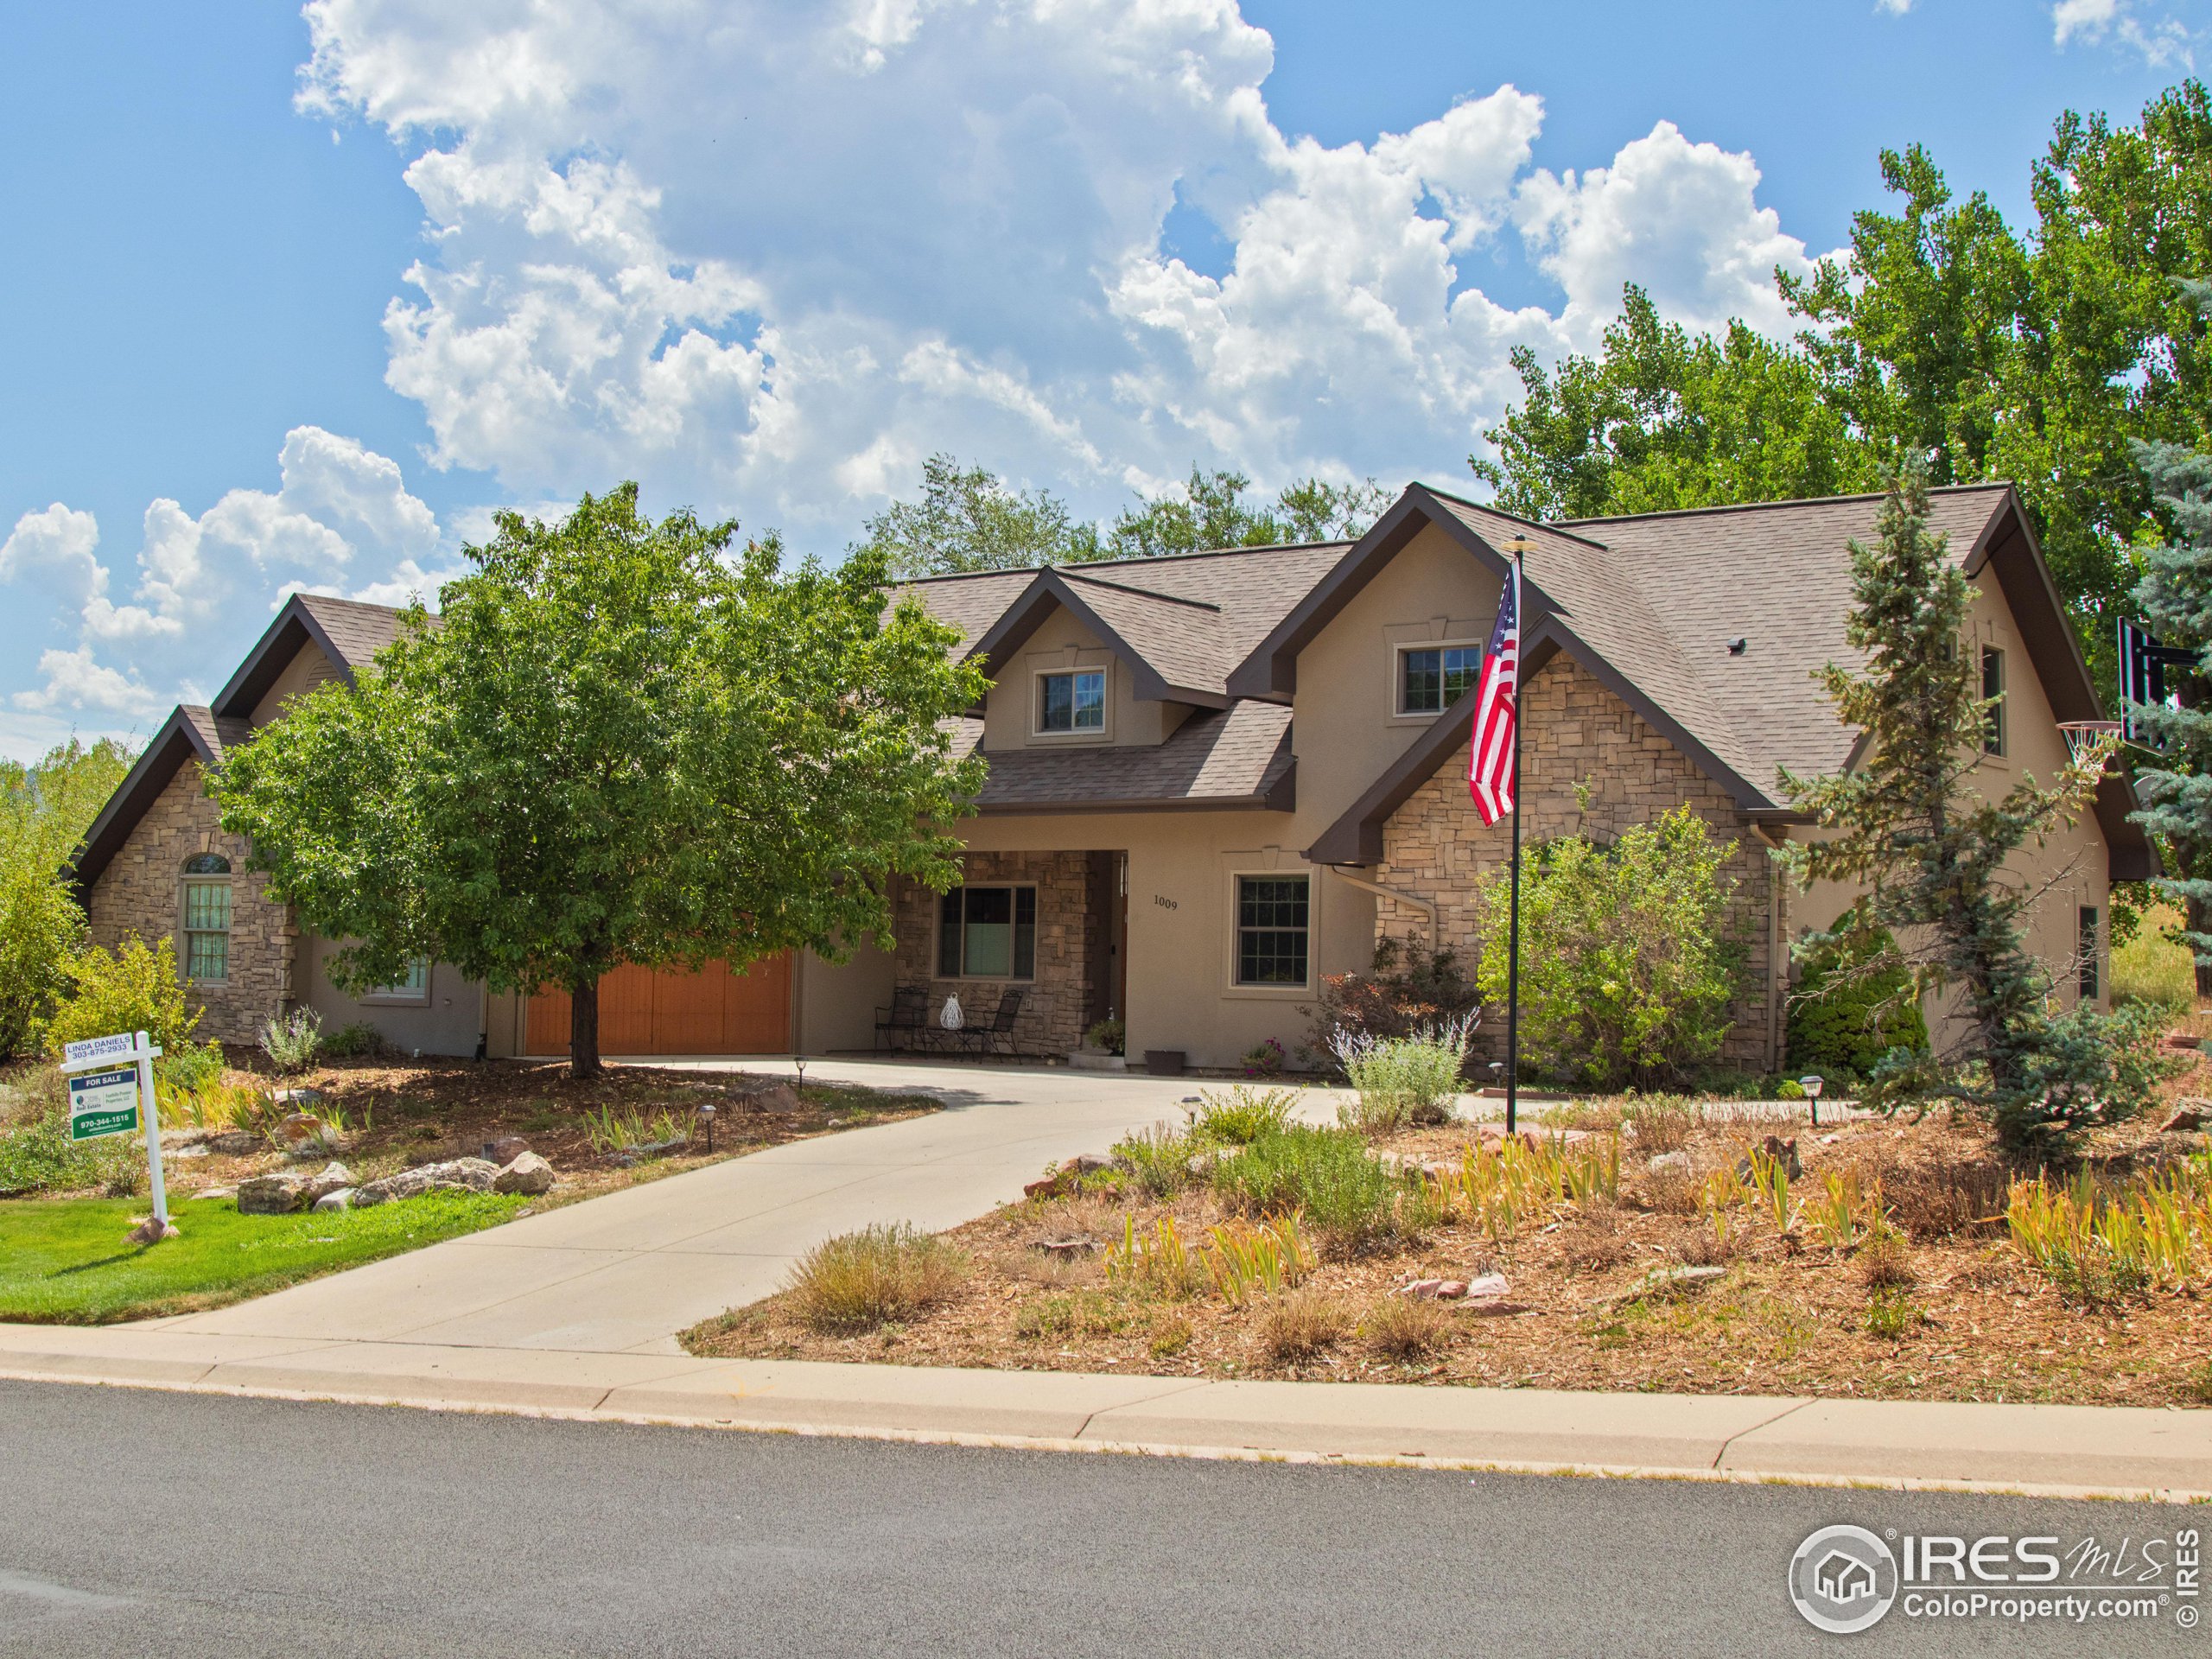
(712, 1012)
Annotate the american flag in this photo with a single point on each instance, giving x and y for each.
(1489, 763)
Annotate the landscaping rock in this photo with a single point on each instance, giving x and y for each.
(331, 1202)
(526, 1173)
(504, 1150)
(331, 1178)
(214, 1192)
(2189, 1115)
(1661, 1163)
(769, 1098)
(173, 1140)
(455, 1175)
(277, 1193)
(173, 1153)
(1076, 1245)
(1051, 1187)
(299, 1100)
(1775, 1147)
(235, 1143)
(638, 1154)
(151, 1230)
(304, 1132)
(1435, 1290)
(1087, 1163)
(1490, 1284)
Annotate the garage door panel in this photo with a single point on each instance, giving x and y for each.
(713, 1011)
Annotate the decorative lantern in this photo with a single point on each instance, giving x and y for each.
(1812, 1087)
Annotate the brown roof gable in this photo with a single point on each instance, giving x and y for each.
(350, 632)
(189, 734)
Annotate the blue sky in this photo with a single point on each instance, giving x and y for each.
(299, 297)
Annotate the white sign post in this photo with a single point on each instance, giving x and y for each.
(112, 1093)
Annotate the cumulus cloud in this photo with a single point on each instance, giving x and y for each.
(341, 520)
(765, 258)
(2161, 42)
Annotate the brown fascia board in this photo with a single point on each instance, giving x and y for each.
(1028, 614)
(295, 626)
(1270, 671)
(1356, 838)
(179, 738)
(1266, 802)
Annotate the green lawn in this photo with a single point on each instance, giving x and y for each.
(66, 1261)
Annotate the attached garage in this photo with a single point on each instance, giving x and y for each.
(645, 1011)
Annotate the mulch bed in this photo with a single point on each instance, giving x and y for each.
(1786, 1315)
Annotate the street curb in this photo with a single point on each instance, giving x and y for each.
(1800, 1459)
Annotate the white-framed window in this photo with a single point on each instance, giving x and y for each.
(988, 931)
(204, 896)
(1071, 700)
(413, 987)
(2088, 942)
(1273, 928)
(1992, 693)
(1431, 678)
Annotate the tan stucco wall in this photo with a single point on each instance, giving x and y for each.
(834, 1004)
(443, 1021)
(309, 669)
(1063, 642)
(140, 892)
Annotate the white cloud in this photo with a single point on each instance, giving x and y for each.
(340, 521)
(2162, 41)
(765, 258)
(1895, 8)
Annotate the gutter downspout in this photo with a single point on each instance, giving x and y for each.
(1425, 906)
(1774, 975)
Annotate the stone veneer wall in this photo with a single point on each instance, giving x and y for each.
(138, 892)
(1576, 731)
(1051, 1022)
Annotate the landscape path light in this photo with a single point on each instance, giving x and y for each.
(707, 1117)
(1812, 1087)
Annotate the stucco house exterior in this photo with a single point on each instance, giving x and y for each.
(1214, 779)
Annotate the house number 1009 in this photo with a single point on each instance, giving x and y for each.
(1163, 901)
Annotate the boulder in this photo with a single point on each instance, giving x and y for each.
(304, 1131)
(299, 1100)
(1485, 1284)
(526, 1173)
(331, 1202)
(1661, 1163)
(1087, 1163)
(2189, 1115)
(1435, 1290)
(505, 1150)
(768, 1097)
(1067, 1249)
(235, 1143)
(277, 1193)
(152, 1230)
(455, 1175)
(331, 1178)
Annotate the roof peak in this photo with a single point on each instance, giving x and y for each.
(1769, 506)
(1096, 564)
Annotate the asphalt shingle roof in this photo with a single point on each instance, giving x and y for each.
(1216, 757)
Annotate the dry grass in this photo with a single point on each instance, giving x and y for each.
(1405, 1328)
(1303, 1324)
(860, 1281)
(1885, 1263)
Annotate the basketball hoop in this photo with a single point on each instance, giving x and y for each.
(2083, 735)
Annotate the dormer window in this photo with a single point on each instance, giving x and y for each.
(1431, 678)
(1071, 702)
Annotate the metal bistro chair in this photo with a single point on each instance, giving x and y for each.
(909, 1012)
(985, 1036)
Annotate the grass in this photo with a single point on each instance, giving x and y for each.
(1326, 1176)
(877, 1276)
(2150, 967)
(65, 1261)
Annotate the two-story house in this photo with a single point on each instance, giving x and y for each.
(1214, 779)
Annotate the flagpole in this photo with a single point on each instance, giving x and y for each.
(1513, 925)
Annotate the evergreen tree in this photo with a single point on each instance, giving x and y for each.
(2175, 597)
(1913, 831)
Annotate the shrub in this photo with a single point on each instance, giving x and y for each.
(194, 1068)
(1661, 1122)
(1403, 1080)
(1303, 1324)
(40, 929)
(1405, 988)
(1853, 1005)
(37, 1155)
(1109, 1034)
(1241, 1115)
(1327, 1175)
(45, 809)
(857, 1281)
(1406, 1327)
(1790, 1089)
(1627, 970)
(134, 990)
(292, 1042)
(358, 1041)
(1263, 1060)
(1158, 1158)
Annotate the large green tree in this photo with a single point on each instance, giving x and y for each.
(621, 741)
(1911, 826)
(1212, 511)
(45, 809)
(1661, 419)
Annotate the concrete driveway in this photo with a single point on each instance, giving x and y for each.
(623, 1273)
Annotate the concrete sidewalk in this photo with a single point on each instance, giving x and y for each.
(624, 1273)
(2047, 1450)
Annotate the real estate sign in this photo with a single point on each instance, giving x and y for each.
(104, 1102)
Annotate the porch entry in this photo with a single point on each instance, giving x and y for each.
(648, 1011)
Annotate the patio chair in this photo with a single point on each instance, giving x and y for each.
(986, 1035)
(909, 1012)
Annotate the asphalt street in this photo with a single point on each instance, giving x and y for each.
(138, 1522)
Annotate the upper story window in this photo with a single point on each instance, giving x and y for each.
(988, 932)
(1072, 702)
(1992, 693)
(206, 904)
(1431, 678)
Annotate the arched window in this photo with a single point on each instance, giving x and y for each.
(207, 895)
